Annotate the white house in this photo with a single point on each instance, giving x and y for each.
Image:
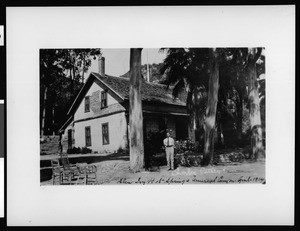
(98, 117)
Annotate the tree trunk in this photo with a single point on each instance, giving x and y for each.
(83, 66)
(211, 108)
(53, 121)
(82, 78)
(73, 79)
(239, 119)
(257, 149)
(44, 113)
(136, 144)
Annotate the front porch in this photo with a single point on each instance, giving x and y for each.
(177, 125)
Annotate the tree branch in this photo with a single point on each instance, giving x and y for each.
(257, 55)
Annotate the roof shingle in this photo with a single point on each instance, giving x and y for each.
(151, 92)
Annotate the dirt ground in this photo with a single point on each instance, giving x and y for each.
(118, 172)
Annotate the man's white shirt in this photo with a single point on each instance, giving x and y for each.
(169, 141)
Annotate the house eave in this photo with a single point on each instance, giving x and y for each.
(93, 76)
(66, 124)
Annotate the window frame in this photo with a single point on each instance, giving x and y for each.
(88, 144)
(87, 99)
(103, 125)
(102, 100)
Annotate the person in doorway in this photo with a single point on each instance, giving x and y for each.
(169, 147)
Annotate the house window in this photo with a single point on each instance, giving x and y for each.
(88, 139)
(87, 104)
(103, 99)
(105, 134)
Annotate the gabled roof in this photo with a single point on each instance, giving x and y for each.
(118, 87)
(151, 92)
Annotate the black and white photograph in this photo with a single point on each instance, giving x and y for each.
(153, 116)
(150, 115)
(2, 150)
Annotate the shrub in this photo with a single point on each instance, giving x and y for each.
(78, 150)
(74, 150)
(188, 159)
(86, 150)
(187, 153)
(184, 146)
(122, 151)
(236, 157)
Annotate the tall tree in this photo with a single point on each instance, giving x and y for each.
(56, 89)
(233, 89)
(49, 72)
(257, 150)
(77, 61)
(197, 70)
(43, 112)
(211, 108)
(202, 72)
(136, 140)
(187, 70)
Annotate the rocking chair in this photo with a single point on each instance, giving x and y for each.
(70, 171)
(91, 172)
(88, 173)
(56, 171)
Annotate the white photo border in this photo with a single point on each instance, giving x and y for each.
(30, 29)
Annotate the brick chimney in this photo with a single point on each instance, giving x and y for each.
(101, 65)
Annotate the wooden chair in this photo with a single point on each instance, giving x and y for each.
(56, 171)
(70, 171)
(82, 178)
(80, 173)
(91, 173)
(88, 173)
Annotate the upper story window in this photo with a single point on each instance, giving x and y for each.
(103, 99)
(87, 104)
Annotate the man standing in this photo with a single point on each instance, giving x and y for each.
(169, 145)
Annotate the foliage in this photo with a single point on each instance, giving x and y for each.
(154, 73)
(184, 151)
(188, 160)
(187, 153)
(85, 150)
(229, 156)
(123, 151)
(236, 157)
(61, 78)
(74, 150)
(185, 146)
(187, 69)
(78, 150)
